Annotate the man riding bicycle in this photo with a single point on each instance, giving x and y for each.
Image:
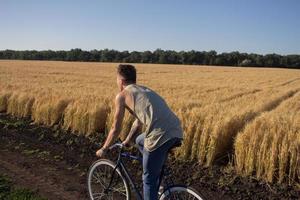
(163, 128)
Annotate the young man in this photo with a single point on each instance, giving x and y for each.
(163, 128)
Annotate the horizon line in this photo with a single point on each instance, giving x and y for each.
(130, 51)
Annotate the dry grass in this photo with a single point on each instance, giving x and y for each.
(214, 104)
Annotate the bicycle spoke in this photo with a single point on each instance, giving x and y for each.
(123, 191)
(107, 183)
(192, 197)
(98, 195)
(112, 197)
(99, 179)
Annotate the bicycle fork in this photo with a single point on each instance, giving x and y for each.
(111, 179)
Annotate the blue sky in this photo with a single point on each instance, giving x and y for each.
(252, 26)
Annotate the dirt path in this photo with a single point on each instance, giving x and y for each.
(36, 169)
(49, 181)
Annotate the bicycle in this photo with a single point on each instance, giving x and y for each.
(111, 180)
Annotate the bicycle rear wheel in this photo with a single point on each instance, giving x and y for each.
(106, 183)
(180, 192)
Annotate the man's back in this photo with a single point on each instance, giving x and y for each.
(152, 110)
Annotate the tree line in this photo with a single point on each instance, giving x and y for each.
(160, 57)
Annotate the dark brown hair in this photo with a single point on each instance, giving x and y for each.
(128, 72)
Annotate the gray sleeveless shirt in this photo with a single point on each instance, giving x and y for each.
(152, 110)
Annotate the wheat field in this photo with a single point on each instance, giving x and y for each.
(250, 113)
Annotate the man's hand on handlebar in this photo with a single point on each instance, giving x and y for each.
(101, 152)
(126, 143)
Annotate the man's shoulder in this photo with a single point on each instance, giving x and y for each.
(120, 96)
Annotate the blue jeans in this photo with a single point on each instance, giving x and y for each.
(152, 166)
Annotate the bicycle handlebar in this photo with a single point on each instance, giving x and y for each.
(116, 145)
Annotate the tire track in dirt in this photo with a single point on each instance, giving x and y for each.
(268, 107)
(239, 95)
(248, 118)
(288, 82)
(214, 89)
(275, 103)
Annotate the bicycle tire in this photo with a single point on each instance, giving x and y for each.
(178, 192)
(99, 176)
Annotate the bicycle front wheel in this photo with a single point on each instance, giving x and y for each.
(105, 181)
(180, 192)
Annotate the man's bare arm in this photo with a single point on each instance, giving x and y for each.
(117, 124)
(135, 129)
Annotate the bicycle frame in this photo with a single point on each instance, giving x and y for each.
(120, 165)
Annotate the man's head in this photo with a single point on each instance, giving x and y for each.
(126, 74)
